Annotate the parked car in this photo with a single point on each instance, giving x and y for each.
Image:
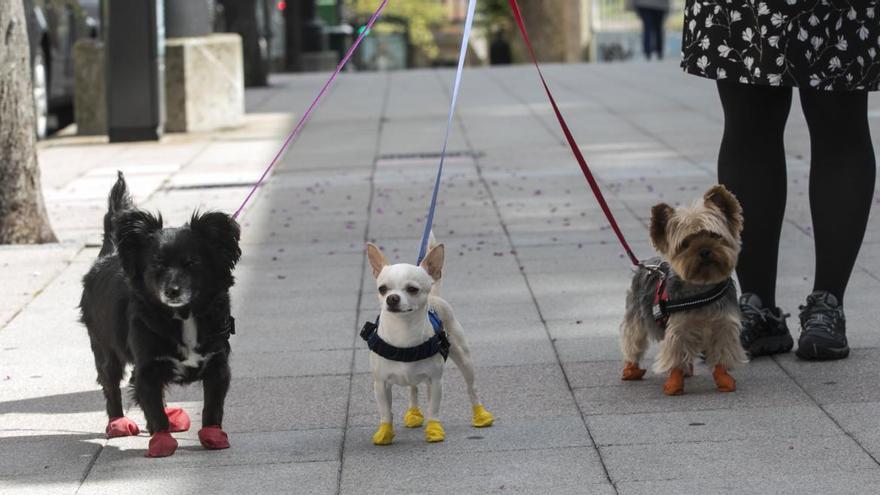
(53, 27)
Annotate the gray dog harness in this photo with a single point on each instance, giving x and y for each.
(663, 307)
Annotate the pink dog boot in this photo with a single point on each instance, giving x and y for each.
(162, 444)
(178, 420)
(122, 427)
(213, 438)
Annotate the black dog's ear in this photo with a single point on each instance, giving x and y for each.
(221, 232)
(660, 215)
(131, 233)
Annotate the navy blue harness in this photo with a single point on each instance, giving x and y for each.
(437, 344)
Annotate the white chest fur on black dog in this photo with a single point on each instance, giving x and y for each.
(405, 293)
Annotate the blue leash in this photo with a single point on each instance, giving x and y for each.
(429, 221)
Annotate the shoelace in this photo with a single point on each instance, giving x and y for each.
(752, 313)
(820, 316)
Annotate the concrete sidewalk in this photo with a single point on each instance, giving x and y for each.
(533, 272)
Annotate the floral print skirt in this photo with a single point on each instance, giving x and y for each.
(820, 44)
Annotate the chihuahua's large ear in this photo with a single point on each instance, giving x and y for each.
(132, 230)
(222, 234)
(377, 259)
(719, 197)
(660, 215)
(433, 262)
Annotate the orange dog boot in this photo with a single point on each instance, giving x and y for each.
(723, 381)
(631, 371)
(675, 383)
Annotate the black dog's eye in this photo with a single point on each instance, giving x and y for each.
(383, 289)
(412, 290)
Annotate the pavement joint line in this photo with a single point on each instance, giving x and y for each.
(551, 131)
(378, 144)
(640, 128)
(39, 291)
(514, 250)
(825, 411)
(555, 134)
(715, 441)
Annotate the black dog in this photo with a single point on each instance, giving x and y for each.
(159, 298)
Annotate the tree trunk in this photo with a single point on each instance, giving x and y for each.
(554, 27)
(23, 216)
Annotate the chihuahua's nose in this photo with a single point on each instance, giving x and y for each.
(392, 300)
(705, 253)
(172, 292)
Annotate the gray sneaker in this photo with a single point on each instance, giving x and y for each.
(823, 328)
(764, 331)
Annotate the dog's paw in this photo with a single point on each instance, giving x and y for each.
(675, 383)
(122, 427)
(413, 418)
(213, 438)
(162, 444)
(482, 417)
(384, 435)
(723, 381)
(631, 371)
(434, 431)
(178, 419)
(688, 370)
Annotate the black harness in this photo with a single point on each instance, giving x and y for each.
(437, 344)
(663, 307)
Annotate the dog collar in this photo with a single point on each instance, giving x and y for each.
(663, 307)
(437, 344)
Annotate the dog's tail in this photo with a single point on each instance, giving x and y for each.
(432, 243)
(118, 201)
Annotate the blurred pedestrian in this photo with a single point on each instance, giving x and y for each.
(758, 52)
(653, 14)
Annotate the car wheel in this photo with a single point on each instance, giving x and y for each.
(41, 95)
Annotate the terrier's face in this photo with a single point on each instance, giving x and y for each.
(404, 288)
(701, 241)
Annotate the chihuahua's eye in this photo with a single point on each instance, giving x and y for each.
(412, 290)
(383, 289)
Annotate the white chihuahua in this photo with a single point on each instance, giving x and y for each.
(415, 343)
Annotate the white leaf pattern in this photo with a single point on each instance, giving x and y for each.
(822, 44)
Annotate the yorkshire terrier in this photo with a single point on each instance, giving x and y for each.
(686, 299)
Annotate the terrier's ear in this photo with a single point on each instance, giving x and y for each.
(660, 215)
(719, 197)
(433, 262)
(377, 259)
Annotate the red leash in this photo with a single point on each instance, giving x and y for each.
(575, 149)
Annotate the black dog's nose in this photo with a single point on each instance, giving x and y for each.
(392, 300)
(705, 252)
(172, 292)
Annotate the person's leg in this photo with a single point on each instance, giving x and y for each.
(660, 33)
(751, 163)
(842, 173)
(645, 16)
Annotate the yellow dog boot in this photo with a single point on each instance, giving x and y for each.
(413, 418)
(384, 435)
(482, 417)
(434, 431)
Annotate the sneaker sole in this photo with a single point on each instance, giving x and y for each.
(812, 352)
(767, 346)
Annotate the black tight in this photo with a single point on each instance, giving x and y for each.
(751, 163)
(652, 31)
